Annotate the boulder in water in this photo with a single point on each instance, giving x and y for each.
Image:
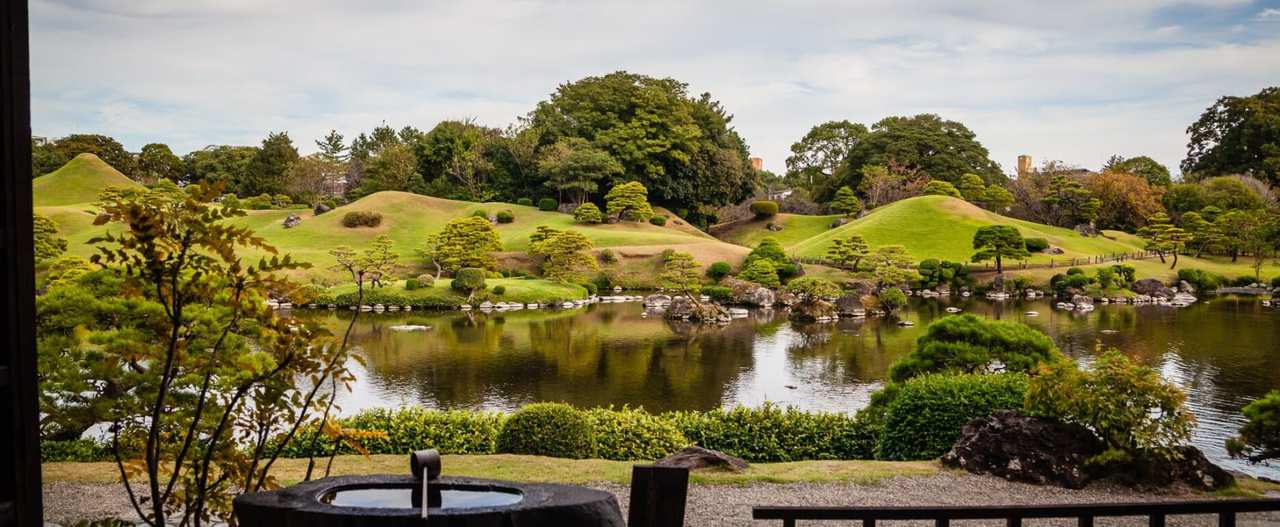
(1152, 287)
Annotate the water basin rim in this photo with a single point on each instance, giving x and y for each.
(472, 485)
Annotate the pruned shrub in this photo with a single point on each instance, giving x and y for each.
(548, 204)
(925, 417)
(941, 188)
(718, 270)
(468, 280)
(771, 434)
(259, 202)
(525, 201)
(480, 214)
(602, 282)
(411, 284)
(76, 450)
(764, 208)
(499, 289)
(506, 216)
(1036, 245)
(608, 256)
(631, 434)
(592, 289)
(971, 344)
(588, 213)
(658, 220)
(548, 429)
(361, 218)
(426, 280)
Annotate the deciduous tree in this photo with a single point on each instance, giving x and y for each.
(818, 155)
(574, 168)
(1237, 135)
(265, 173)
(157, 162)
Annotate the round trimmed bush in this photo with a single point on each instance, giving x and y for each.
(764, 208)
(588, 213)
(426, 280)
(468, 279)
(480, 214)
(548, 429)
(1275, 282)
(499, 290)
(717, 271)
(506, 216)
(1036, 245)
(608, 256)
(361, 218)
(525, 201)
(633, 434)
(925, 417)
(591, 288)
(548, 204)
(658, 220)
(718, 293)
(411, 284)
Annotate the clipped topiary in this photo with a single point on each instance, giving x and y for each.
(506, 216)
(499, 290)
(717, 271)
(588, 213)
(468, 280)
(764, 209)
(548, 204)
(525, 201)
(361, 218)
(972, 344)
(548, 429)
(1036, 245)
(658, 220)
(926, 415)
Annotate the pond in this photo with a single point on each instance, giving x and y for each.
(1224, 352)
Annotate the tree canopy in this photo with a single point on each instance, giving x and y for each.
(818, 155)
(971, 344)
(1237, 135)
(997, 242)
(467, 242)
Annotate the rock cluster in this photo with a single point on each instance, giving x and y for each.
(696, 457)
(293, 220)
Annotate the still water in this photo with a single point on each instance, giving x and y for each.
(1224, 352)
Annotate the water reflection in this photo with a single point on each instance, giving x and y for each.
(1223, 352)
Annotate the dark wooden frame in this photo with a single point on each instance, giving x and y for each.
(1156, 512)
(19, 441)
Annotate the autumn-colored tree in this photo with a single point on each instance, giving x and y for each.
(848, 252)
(997, 242)
(214, 374)
(467, 242)
(1125, 200)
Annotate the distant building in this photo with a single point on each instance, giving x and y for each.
(756, 163)
(1024, 164)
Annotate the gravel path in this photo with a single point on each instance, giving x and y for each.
(730, 505)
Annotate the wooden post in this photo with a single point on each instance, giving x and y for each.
(658, 496)
(20, 444)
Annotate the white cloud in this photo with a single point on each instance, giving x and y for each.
(1077, 81)
(1270, 13)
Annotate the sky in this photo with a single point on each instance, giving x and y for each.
(1074, 81)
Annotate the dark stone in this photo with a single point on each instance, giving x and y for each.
(850, 306)
(819, 310)
(749, 293)
(1152, 287)
(1191, 469)
(696, 457)
(1029, 449)
(1054, 250)
(1087, 229)
(838, 222)
(292, 221)
(321, 208)
(773, 227)
(683, 308)
(542, 504)
(997, 283)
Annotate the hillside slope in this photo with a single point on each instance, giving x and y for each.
(78, 181)
(942, 227)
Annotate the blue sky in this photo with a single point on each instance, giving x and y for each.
(1075, 81)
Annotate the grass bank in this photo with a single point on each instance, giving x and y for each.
(522, 290)
(552, 470)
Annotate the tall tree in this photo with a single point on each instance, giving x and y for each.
(106, 148)
(1237, 135)
(937, 148)
(452, 159)
(818, 155)
(45, 158)
(574, 168)
(1142, 166)
(1069, 203)
(997, 242)
(312, 178)
(394, 167)
(265, 173)
(1125, 200)
(226, 165)
(333, 148)
(156, 162)
(679, 147)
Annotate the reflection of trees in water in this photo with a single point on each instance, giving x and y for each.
(850, 351)
(604, 356)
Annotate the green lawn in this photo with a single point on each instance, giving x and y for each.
(522, 290)
(943, 227)
(78, 181)
(796, 228)
(553, 470)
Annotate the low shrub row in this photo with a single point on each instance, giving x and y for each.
(361, 218)
(926, 413)
(74, 450)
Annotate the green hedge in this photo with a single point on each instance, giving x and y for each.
(771, 433)
(925, 417)
(633, 435)
(414, 428)
(548, 429)
(74, 450)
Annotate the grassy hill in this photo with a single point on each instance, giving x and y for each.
(796, 228)
(78, 181)
(942, 227)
